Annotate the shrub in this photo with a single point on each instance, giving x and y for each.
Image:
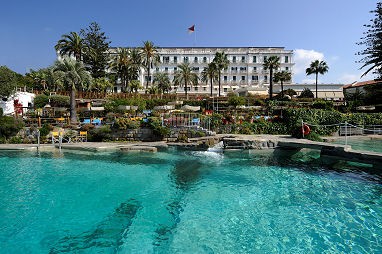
(10, 126)
(314, 137)
(15, 140)
(40, 100)
(322, 104)
(155, 123)
(306, 93)
(45, 129)
(60, 101)
(100, 134)
(125, 123)
(235, 101)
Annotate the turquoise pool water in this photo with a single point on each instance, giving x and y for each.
(186, 202)
(366, 144)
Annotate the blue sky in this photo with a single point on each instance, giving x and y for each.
(326, 29)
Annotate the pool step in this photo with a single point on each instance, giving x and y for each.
(139, 149)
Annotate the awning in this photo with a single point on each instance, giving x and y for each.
(190, 108)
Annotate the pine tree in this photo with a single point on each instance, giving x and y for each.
(95, 56)
(372, 55)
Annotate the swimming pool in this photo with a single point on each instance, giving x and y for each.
(362, 143)
(185, 202)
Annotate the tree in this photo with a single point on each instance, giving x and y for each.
(101, 84)
(221, 62)
(8, 81)
(306, 93)
(184, 77)
(372, 57)
(73, 76)
(210, 73)
(135, 85)
(135, 63)
(271, 63)
(95, 56)
(162, 82)
(150, 57)
(120, 65)
(317, 67)
(282, 76)
(70, 45)
(44, 79)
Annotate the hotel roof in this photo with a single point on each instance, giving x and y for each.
(363, 83)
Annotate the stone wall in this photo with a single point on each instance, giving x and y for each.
(142, 134)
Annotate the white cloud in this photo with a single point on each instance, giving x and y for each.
(348, 78)
(303, 58)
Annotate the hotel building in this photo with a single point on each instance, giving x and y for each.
(245, 69)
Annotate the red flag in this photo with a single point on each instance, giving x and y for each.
(191, 29)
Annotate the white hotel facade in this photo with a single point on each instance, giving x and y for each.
(245, 69)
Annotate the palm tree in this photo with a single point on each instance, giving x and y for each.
(135, 85)
(271, 63)
(210, 73)
(70, 44)
(162, 82)
(150, 57)
(73, 75)
(135, 63)
(185, 76)
(120, 65)
(282, 76)
(317, 67)
(221, 61)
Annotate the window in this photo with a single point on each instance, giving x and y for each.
(254, 69)
(243, 59)
(195, 59)
(225, 78)
(204, 88)
(242, 78)
(233, 68)
(265, 78)
(166, 59)
(265, 58)
(255, 78)
(175, 69)
(157, 69)
(166, 69)
(254, 60)
(204, 59)
(175, 59)
(287, 68)
(286, 59)
(196, 88)
(146, 78)
(225, 89)
(195, 69)
(185, 59)
(243, 68)
(234, 78)
(234, 59)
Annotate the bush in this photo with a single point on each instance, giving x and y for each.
(235, 101)
(10, 126)
(100, 134)
(125, 123)
(15, 140)
(59, 101)
(306, 93)
(40, 100)
(45, 129)
(322, 104)
(155, 123)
